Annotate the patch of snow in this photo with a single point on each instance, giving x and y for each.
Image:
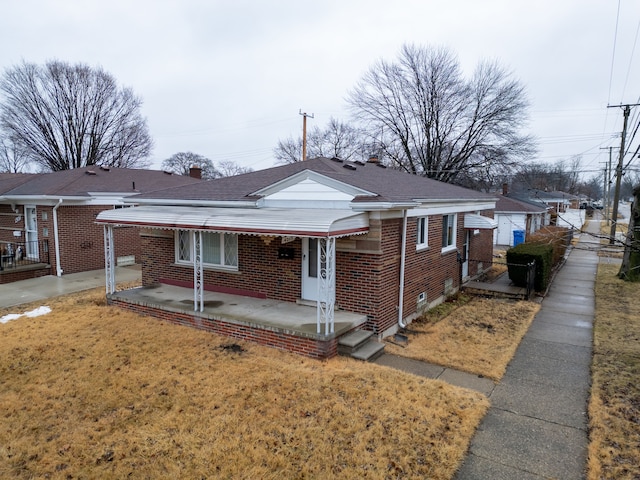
(32, 313)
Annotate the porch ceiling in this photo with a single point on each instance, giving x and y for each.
(255, 221)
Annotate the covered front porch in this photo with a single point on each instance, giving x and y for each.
(284, 325)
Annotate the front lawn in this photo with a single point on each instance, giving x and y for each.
(475, 335)
(92, 391)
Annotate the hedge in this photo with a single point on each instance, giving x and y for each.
(523, 254)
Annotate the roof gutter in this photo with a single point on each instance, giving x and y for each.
(401, 323)
(55, 236)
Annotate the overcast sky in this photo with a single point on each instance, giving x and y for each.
(227, 79)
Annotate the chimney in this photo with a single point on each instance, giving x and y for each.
(505, 189)
(373, 159)
(195, 172)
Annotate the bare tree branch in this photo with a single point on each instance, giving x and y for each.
(431, 121)
(69, 116)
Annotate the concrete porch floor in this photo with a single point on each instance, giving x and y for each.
(265, 314)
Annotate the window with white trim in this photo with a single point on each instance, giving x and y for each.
(449, 231)
(422, 234)
(218, 249)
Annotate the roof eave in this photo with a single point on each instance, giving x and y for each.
(191, 203)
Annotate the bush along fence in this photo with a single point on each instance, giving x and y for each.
(546, 249)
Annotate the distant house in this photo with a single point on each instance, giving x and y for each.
(514, 216)
(367, 247)
(47, 221)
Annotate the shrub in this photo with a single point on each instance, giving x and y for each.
(559, 237)
(521, 255)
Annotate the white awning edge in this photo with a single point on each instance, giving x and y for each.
(250, 221)
(473, 221)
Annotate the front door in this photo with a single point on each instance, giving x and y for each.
(310, 269)
(31, 232)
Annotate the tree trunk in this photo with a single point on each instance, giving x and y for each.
(630, 269)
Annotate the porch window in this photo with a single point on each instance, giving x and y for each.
(218, 249)
(449, 231)
(422, 235)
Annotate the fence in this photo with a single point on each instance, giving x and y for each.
(14, 255)
(496, 273)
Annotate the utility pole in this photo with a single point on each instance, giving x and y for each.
(616, 197)
(304, 133)
(607, 186)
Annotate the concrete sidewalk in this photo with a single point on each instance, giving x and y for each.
(537, 424)
(41, 288)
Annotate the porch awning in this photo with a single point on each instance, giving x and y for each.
(474, 221)
(252, 221)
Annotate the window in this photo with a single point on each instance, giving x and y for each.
(422, 235)
(218, 249)
(448, 231)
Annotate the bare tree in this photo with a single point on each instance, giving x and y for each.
(68, 116)
(229, 168)
(182, 162)
(337, 139)
(431, 121)
(13, 159)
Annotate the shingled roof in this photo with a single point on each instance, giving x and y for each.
(386, 184)
(512, 205)
(82, 182)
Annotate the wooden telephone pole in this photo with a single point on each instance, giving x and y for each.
(607, 186)
(304, 133)
(616, 197)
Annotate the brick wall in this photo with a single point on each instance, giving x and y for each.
(308, 347)
(368, 268)
(82, 240)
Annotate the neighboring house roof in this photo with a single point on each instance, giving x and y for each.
(553, 196)
(369, 182)
(90, 181)
(9, 181)
(526, 199)
(512, 205)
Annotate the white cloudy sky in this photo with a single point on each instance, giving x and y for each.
(227, 78)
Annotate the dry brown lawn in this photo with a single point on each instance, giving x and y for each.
(614, 409)
(91, 391)
(475, 335)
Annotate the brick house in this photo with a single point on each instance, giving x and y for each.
(48, 219)
(342, 237)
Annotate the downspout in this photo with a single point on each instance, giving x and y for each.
(403, 252)
(55, 237)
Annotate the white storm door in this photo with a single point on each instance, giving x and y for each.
(465, 255)
(31, 232)
(310, 269)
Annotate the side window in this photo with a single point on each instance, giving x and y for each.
(448, 231)
(422, 235)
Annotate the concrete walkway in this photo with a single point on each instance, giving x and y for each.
(537, 425)
(34, 289)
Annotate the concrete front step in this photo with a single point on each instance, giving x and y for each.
(359, 344)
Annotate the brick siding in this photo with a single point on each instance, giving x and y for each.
(309, 347)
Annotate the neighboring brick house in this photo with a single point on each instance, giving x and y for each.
(343, 236)
(49, 218)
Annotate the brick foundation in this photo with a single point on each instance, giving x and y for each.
(306, 346)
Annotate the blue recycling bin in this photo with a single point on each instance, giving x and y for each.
(518, 237)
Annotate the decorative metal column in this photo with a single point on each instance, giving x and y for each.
(196, 254)
(109, 260)
(326, 284)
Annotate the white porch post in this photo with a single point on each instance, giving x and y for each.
(326, 284)
(196, 254)
(109, 260)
